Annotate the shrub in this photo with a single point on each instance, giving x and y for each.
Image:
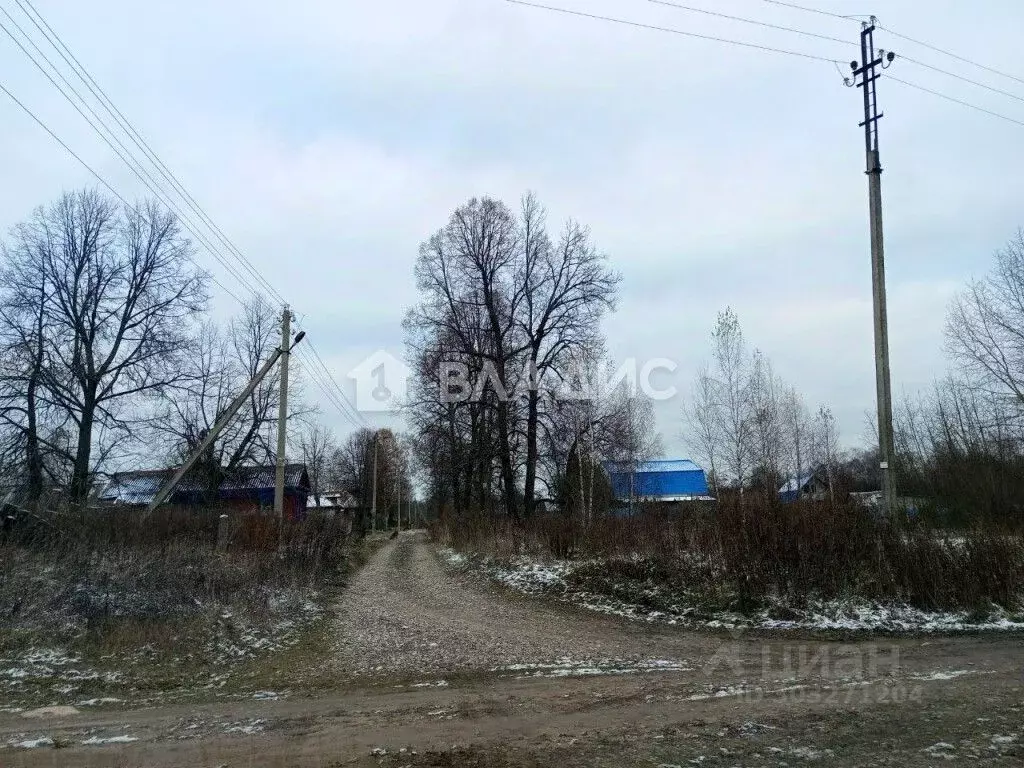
(103, 571)
(757, 549)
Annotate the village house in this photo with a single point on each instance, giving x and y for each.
(245, 490)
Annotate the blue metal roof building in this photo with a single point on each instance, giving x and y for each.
(666, 480)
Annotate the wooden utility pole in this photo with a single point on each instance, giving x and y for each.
(373, 493)
(868, 70)
(282, 414)
(218, 427)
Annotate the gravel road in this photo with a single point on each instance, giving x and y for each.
(530, 684)
(405, 613)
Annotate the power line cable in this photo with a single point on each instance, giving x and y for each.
(331, 399)
(343, 404)
(671, 30)
(752, 21)
(333, 381)
(960, 77)
(134, 167)
(955, 100)
(317, 378)
(106, 103)
(813, 10)
(915, 41)
(329, 387)
(322, 376)
(952, 55)
(92, 170)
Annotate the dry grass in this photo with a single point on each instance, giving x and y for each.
(159, 598)
(745, 551)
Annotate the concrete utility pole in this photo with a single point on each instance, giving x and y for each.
(868, 70)
(282, 414)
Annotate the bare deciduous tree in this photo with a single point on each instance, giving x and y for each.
(733, 368)
(567, 287)
(742, 416)
(985, 326)
(316, 444)
(796, 424)
(767, 433)
(117, 294)
(704, 424)
(826, 445)
(218, 367)
(511, 305)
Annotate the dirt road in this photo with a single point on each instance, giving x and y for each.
(433, 668)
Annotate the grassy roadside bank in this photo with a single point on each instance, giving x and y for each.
(824, 566)
(86, 622)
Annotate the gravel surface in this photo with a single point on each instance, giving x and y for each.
(407, 623)
(405, 613)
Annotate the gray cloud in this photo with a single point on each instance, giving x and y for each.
(329, 139)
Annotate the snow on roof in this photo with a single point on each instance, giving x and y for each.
(141, 486)
(658, 465)
(332, 500)
(794, 484)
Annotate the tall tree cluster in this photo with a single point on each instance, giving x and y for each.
(109, 358)
(384, 493)
(506, 308)
(962, 443)
(221, 360)
(748, 427)
(96, 312)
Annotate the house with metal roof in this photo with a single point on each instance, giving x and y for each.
(668, 480)
(244, 489)
(813, 485)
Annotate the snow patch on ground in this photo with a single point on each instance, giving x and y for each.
(238, 637)
(553, 579)
(43, 741)
(99, 702)
(247, 727)
(94, 741)
(566, 667)
(952, 674)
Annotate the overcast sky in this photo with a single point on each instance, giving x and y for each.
(328, 139)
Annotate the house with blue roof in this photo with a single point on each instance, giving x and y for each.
(247, 489)
(667, 480)
(813, 485)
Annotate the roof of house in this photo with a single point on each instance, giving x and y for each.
(333, 500)
(660, 465)
(139, 487)
(794, 484)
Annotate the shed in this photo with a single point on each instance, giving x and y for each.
(244, 489)
(666, 480)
